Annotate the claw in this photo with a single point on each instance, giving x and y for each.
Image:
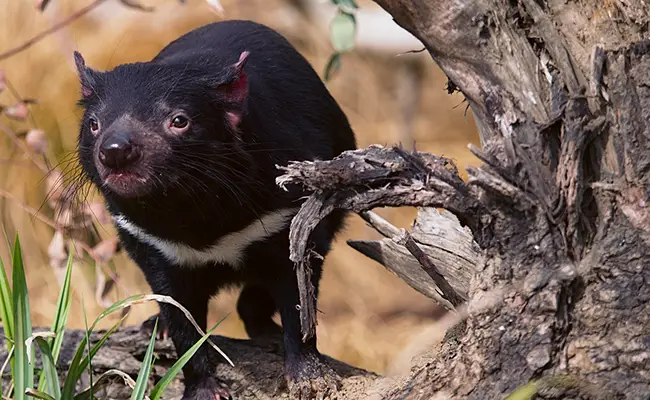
(315, 380)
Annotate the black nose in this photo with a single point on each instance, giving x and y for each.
(118, 151)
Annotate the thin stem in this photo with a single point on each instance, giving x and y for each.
(29, 43)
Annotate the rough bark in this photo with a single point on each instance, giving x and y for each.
(559, 208)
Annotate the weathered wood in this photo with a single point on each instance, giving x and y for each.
(439, 235)
(361, 180)
(258, 371)
(559, 208)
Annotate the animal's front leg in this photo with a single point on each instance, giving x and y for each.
(306, 373)
(189, 289)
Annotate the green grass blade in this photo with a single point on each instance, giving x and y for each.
(49, 369)
(6, 306)
(90, 353)
(175, 369)
(38, 394)
(60, 318)
(7, 314)
(143, 376)
(23, 370)
(79, 362)
(62, 310)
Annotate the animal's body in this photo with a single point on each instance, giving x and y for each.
(183, 148)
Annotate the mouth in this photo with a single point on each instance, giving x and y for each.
(126, 184)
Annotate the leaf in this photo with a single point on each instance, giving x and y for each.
(524, 392)
(333, 66)
(6, 307)
(216, 6)
(36, 140)
(41, 4)
(18, 111)
(38, 394)
(60, 320)
(343, 31)
(143, 377)
(62, 310)
(141, 298)
(23, 370)
(90, 353)
(49, 369)
(134, 4)
(103, 380)
(351, 4)
(78, 363)
(175, 369)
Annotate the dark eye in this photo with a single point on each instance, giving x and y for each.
(94, 125)
(180, 122)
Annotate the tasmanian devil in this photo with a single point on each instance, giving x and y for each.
(184, 149)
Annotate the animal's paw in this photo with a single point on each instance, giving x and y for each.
(312, 379)
(147, 327)
(208, 389)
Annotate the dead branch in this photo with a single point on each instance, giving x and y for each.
(364, 179)
(447, 259)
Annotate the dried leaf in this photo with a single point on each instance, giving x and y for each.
(18, 111)
(102, 287)
(58, 255)
(36, 140)
(216, 6)
(3, 80)
(55, 188)
(63, 218)
(98, 211)
(105, 250)
(136, 5)
(41, 4)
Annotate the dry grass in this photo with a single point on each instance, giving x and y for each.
(368, 314)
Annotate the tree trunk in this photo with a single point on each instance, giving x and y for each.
(561, 92)
(551, 269)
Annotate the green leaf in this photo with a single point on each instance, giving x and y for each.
(342, 31)
(7, 314)
(524, 392)
(90, 353)
(143, 377)
(60, 319)
(175, 369)
(23, 369)
(38, 394)
(333, 66)
(49, 369)
(346, 3)
(78, 363)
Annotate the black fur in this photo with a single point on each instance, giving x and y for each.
(217, 177)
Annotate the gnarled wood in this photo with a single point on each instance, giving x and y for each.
(258, 371)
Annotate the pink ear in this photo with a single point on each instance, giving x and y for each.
(237, 89)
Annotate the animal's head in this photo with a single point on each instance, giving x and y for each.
(149, 126)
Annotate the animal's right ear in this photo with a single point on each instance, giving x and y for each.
(85, 75)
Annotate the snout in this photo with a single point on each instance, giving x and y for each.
(118, 151)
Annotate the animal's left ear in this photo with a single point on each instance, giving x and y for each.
(235, 89)
(86, 76)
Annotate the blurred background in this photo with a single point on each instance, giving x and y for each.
(368, 316)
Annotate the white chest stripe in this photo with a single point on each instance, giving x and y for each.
(229, 249)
